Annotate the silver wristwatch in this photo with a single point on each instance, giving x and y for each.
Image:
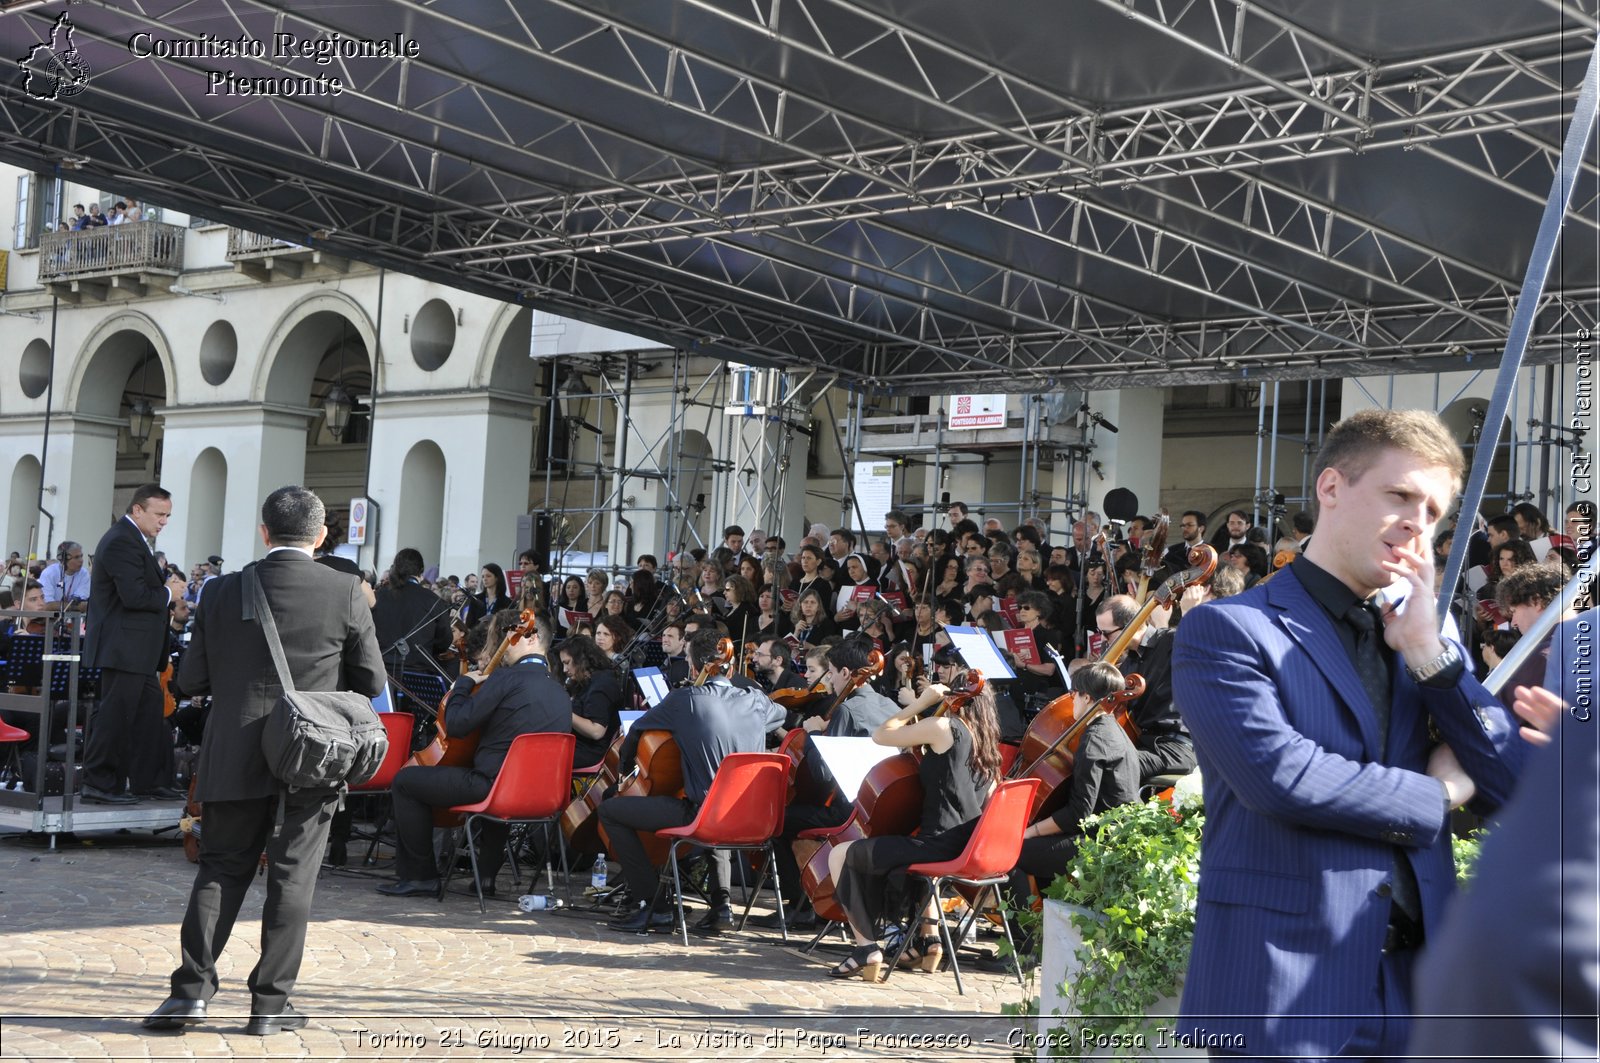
(1435, 666)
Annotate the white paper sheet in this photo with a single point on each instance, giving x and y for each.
(849, 759)
(978, 650)
(652, 684)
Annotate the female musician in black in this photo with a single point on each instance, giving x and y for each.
(810, 558)
(810, 617)
(596, 695)
(741, 618)
(959, 771)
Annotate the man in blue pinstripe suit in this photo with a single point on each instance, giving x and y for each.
(1326, 855)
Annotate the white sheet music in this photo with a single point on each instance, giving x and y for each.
(652, 684)
(978, 650)
(628, 717)
(849, 759)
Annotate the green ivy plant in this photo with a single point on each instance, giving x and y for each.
(1138, 867)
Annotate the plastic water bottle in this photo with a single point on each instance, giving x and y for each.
(538, 902)
(597, 877)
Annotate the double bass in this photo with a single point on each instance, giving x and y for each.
(889, 802)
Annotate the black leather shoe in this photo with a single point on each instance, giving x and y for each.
(338, 854)
(175, 1013)
(411, 887)
(164, 793)
(714, 922)
(643, 920)
(285, 1020)
(792, 922)
(105, 797)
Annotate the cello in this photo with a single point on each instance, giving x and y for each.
(889, 802)
(458, 752)
(1202, 563)
(1050, 745)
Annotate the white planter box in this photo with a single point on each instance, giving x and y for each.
(1058, 1025)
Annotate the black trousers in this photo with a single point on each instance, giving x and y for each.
(1165, 755)
(416, 792)
(797, 818)
(872, 882)
(625, 818)
(128, 739)
(1044, 857)
(233, 835)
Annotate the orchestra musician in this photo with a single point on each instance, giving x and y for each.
(1105, 774)
(707, 722)
(959, 771)
(1165, 747)
(675, 668)
(773, 669)
(413, 625)
(596, 695)
(521, 697)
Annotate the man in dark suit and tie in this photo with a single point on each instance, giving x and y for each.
(127, 636)
(1326, 858)
(326, 630)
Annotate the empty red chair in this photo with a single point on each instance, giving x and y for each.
(534, 786)
(398, 726)
(742, 811)
(985, 864)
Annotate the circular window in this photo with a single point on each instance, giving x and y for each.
(219, 350)
(433, 334)
(34, 372)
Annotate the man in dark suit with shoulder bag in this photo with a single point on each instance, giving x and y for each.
(326, 631)
(127, 638)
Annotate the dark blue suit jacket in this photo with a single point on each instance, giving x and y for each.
(1302, 819)
(1516, 971)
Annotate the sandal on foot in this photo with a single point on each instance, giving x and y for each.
(864, 961)
(924, 952)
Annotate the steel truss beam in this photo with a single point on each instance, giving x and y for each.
(631, 253)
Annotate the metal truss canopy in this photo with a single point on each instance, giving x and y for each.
(1099, 194)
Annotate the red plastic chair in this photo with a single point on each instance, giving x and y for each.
(742, 811)
(985, 864)
(12, 737)
(398, 726)
(534, 786)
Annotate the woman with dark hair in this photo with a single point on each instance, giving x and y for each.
(596, 695)
(492, 592)
(951, 574)
(771, 621)
(750, 569)
(741, 618)
(615, 603)
(810, 617)
(810, 558)
(1533, 524)
(613, 635)
(959, 769)
(1508, 557)
(644, 590)
(572, 601)
(1250, 559)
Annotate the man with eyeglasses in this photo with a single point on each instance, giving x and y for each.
(1164, 746)
(1192, 530)
(66, 580)
(771, 659)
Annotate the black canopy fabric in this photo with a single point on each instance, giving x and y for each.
(909, 193)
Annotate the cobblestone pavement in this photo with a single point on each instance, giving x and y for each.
(90, 934)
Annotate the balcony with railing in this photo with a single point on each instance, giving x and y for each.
(265, 258)
(130, 258)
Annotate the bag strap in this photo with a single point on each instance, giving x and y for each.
(256, 602)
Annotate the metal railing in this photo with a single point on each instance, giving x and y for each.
(243, 244)
(133, 247)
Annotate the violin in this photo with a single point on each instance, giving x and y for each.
(458, 752)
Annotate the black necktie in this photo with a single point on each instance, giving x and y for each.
(1372, 665)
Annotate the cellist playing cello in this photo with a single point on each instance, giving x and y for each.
(708, 721)
(959, 771)
(520, 697)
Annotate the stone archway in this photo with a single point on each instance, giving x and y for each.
(420, 520)
(208, 491)
(23, 506)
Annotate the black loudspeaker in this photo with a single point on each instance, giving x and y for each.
(534, 532)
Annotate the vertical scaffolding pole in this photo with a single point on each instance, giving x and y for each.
(1522, 320)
